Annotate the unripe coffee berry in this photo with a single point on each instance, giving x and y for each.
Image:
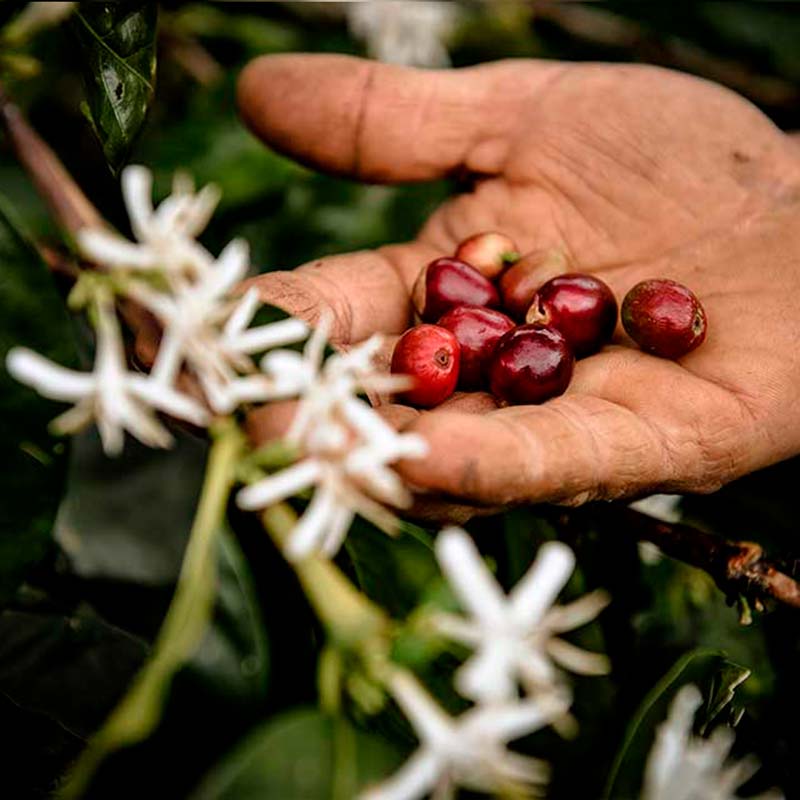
(448, 282)
(431, 356)
(581, 306)
(531, 364)
(490, 253)
(478, 330)
(664, 318)
(518, 284)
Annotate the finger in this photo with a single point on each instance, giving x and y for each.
(630, 423)
(367, 292)
(382, 122)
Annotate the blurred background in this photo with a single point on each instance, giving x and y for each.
(92, 547)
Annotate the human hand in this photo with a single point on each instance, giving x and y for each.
(636, 172)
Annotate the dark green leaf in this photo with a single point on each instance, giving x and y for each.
(716, 677)
(128, 518)
(31, 314)
(117, 42)
(232, 660)
(394, 572)
(301, 755)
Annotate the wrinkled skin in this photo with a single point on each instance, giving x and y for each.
(637, 172)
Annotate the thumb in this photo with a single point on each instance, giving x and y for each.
(385, 123)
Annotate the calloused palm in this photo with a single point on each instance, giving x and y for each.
(636, 172)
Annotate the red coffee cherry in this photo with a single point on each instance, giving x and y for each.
(477, 329)
(582, 307)
(664, 318)
(531, 364)
(431, 356)
(448, 282)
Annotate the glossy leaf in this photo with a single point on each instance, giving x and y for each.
(31, 314)
(117, 42)
(300, 754)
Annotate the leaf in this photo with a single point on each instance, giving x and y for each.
(393, 571)
(707, 669)
(300, 754)
(232, 661)
(31, 314)
(118, 46)
(61, 672)
(128, 518)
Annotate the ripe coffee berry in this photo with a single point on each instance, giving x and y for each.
(664, 318)
(431, 356)
(448, 282)
(477, 329)
(531, 364)
(490, 253)
(582, 307)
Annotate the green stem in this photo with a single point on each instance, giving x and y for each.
(186, 621)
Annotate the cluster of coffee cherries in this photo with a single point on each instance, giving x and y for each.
(466, 341)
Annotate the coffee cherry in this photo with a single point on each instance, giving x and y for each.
(519, 283)
(531, 364)
(582, 307)
(448, 282)
(490, 253)
(664, 318)
(477, 330)
(431, 356)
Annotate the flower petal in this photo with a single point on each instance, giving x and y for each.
(228, 270)
(137, 190)
(578, 612)
(489, 676)
(465, 570)
(276, 334)
(577, 660)
(313, 527)
(510, 721)
(168, 400)
(48, 378)
(433, 725)
(540, 585)
(243, 313)
(283, 484)
(111, 250)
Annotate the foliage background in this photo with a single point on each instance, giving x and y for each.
(89, 548)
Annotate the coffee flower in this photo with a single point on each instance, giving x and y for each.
(686, 767)
(165, 236)
(514, 637)
(346, 446)
(116, 399)
(468, 751)
(208, 331)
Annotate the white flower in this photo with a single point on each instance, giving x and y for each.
(686, 767)
(514, 636)
(165, 237)
(347, 446)
(468, 751)
(403, 32)
(206, 330)
(116, 399)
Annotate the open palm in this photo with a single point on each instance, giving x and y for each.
(635, 172)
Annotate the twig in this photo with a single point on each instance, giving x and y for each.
(68, 204)
(738, 568)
